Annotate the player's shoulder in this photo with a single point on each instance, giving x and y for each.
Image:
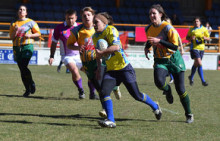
(148, 27)
(167, 25)
(204, 28)
(59, 26)
(111, 28)
(77, 28)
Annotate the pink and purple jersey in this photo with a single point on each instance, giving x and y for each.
(61, 33)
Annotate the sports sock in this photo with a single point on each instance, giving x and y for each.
(184, 98)
(78, 83)
(171, 76)
(108, 106)
(146, 99)
(91, 87)
(193, 71)
(115, 88)
(165, 87)
(200, 71)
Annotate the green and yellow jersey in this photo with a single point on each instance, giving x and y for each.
(166, 32)
(26, 26)
(118, 59)
(199, 33)
(82, 36)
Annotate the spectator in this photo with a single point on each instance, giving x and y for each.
(208, 26)
(175, 20)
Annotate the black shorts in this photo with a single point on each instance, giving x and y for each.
(196, 53)
(126, 74)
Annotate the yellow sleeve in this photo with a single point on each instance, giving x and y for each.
(173, 36)
(36, 29)
(113, 37)
(206, 33)
(189, 34)
(12, 27)
(71, 40)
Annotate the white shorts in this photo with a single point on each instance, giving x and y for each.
(72, 59)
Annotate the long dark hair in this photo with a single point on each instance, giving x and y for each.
(109, 18)
(160, 9)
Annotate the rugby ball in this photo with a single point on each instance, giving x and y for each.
(102, 45)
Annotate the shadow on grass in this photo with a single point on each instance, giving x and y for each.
(77, 116)
(41, 97)
(56, 124)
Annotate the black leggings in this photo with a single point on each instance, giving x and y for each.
(160, 78)
(109, 84)
(25, 72)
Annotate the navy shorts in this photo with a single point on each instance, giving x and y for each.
(125, 75)
(196, 53)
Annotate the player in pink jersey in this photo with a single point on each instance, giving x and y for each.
(70, 58)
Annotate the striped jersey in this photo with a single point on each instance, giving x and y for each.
(24, 26)
(166, 32)
(82, 36)
(199, 33)
(118, 59)
(61, 33)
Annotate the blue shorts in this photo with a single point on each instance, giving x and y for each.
(125, 75)
(196, 53)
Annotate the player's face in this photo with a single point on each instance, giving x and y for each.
(99, 26)
(71, 19)
(155, 16)
(22, 12)
(197, 23)
(87, 17)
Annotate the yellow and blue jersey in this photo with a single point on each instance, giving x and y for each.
(82, 36)
(118, 59)
(166, 32)
(199, 33)
(26, 26)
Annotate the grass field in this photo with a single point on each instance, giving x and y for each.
(55, 113)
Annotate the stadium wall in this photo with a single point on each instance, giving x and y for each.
(137, 58)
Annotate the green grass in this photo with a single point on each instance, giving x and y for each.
(55, 113)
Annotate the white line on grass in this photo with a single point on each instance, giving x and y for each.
(172, 112)
(13, 69)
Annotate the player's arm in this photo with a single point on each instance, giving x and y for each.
(154, 41)
(71, 42)
(147, 49)
(52, 52)
(35, 32)
(13, 32)
(98, 70)
(114, 41)
(55, 38)
(189, 36)
(173, 40)
(109, 50)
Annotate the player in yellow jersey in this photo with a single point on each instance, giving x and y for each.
(118, 69)
(82, 35)
(164, 39)
(197, 35)
(22, 33)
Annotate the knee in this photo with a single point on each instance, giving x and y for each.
(103, 93)
(159, 83)
(181, 91)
